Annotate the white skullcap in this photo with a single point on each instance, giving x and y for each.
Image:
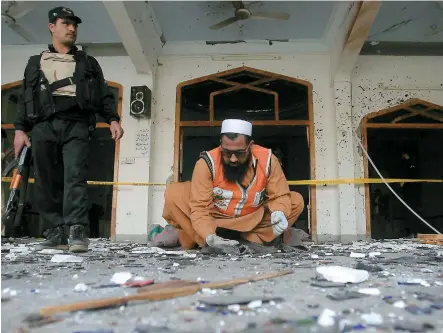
(236, 126)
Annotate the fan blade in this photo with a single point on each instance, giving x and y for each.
(21, 31)
(238, 4)
(224, 23)
(269, 15)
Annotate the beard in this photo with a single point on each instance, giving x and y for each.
(236, 173)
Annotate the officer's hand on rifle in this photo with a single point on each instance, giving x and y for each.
(20, 140)
(116, 130)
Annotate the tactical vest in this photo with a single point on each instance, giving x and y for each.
(231, 198)
(54, 74)
(57, 67)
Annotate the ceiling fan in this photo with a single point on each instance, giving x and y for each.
(12, 11)
(242, 12)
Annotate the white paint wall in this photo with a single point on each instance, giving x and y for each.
(338, 210)
(403, 78)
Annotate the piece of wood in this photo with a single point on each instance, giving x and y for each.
(168, 285)
(155, 295)
(116, 163)
(236, 282)
(434, 239)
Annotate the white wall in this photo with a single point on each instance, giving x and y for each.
(132, 204)
(400, 78)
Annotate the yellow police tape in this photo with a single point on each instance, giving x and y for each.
(290, 182)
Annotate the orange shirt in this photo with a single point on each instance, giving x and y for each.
(202, 207)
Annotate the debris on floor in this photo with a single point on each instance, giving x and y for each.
(374, 286)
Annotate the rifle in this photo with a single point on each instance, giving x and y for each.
(19, 186)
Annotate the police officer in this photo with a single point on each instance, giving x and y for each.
(63, 88)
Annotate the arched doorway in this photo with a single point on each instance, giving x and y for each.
(103, 149)
(404, 142)
(279, 107)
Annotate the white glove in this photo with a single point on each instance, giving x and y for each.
(279, 222)
(216, 241)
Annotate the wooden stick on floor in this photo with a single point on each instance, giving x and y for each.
(156, 295)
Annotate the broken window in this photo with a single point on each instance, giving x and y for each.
(195, 100)
(404, 143)
(292, 99)
(244, 95)
(409, 114)
(244, 104)
(244, 77)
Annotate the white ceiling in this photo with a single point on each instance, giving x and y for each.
(408, 21)
(190, 20)
(97, 27)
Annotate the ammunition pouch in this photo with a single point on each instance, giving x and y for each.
(88, 86)
(31, 91)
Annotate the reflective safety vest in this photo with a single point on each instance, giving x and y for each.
(232, 199)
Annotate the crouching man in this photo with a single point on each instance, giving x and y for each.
(239, 189)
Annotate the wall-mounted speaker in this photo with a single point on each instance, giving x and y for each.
(140, 102)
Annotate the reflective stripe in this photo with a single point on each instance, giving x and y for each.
(213, 166)
(245, 192)
(268, 164)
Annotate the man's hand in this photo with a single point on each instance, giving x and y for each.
(116, 130)
(20, 140)
(279, 222)
(216, 241)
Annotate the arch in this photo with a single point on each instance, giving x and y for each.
(399, 116)
(244, 69)
(230, 79)
(119, 104)
(413, 107)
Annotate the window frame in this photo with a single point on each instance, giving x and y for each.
(269, 76)
(394, 124)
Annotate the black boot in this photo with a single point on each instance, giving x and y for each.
(78, 242)
(55, 239)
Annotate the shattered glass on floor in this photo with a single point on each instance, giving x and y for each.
(387, 286)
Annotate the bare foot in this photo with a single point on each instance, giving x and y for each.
(216, 241)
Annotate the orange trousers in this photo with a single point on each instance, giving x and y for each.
(177, 213)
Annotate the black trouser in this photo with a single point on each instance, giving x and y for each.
(61, 150)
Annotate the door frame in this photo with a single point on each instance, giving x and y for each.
(395, 124)
(217, 77)
(119, 103)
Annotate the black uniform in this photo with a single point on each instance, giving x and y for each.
(61, 128)
(60, 150)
